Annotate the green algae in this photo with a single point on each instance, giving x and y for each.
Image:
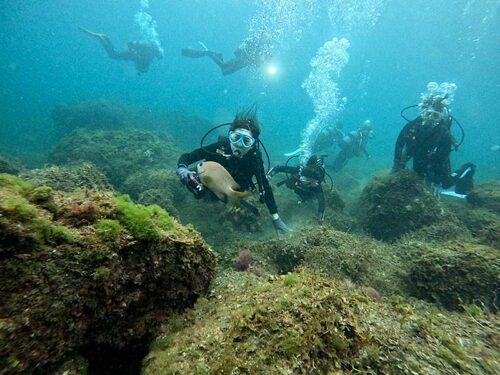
(108, 230)
(80, 281)
(393, 205)
(324, 328)
(69, 177)
(143, 222)
(456, 274)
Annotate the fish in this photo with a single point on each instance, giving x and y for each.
(218, 180)
(495, 148)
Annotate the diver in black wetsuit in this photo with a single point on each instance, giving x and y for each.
(428, 141)
(353, 144)
(141, 53)
(247, 54)
(305, 181)
(239, 155)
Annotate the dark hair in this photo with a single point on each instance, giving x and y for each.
(247, 119)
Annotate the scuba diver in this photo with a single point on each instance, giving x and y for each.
(240, 155)
(249, 53)
(427, 140)
(353, 144)
(141, 53)
(305, 181)
(326, 138)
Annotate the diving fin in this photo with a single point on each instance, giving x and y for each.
(93, 33)
(294, 153)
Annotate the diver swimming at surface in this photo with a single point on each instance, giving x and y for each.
(141, 53)
(247, 54)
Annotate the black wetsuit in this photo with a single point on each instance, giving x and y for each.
(353, 144)
(304, 192)
(140, 53)
(241, 169)
(430, 148)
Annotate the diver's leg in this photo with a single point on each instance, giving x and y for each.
(340, 161)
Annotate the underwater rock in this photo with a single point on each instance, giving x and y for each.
(337, 255)
(69, 177)
(449, 228)
(482, 223)
(301, 323)
(486, 196)
(455, 274)
(8, 166)
(393, 205)
(93, 114)
(89, 270)
(117, 153)
(156, 186)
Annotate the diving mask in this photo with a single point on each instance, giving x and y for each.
(240, 137)
(308, 182)
(432, 116)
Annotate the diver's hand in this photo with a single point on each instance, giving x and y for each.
(184, 174)
(280, 226)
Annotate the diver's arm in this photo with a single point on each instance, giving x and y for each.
(265, 188)
(198, 154)
(401, 142)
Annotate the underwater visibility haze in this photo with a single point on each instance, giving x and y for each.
(305, 242)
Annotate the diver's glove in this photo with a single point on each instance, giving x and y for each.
(184, 174)
(279, 225)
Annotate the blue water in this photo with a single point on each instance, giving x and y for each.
(45, 59)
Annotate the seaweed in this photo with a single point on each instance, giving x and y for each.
(82, 283)
(302, 323)
(393, 205)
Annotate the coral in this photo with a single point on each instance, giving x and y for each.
(243, 261)
(301, 323)
(455, 274)
(69, 177)
(85, 287)
(393, 205)
(117, 153)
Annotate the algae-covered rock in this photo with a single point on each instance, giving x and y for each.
(486, 196)
(94, 271)
(69, 177)
(301, 323)
(156, 186)
(117, 153)
(393, 205)
(8, 166)
(335, 254)
(92, 114)
(455, 274)
(483, 223)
